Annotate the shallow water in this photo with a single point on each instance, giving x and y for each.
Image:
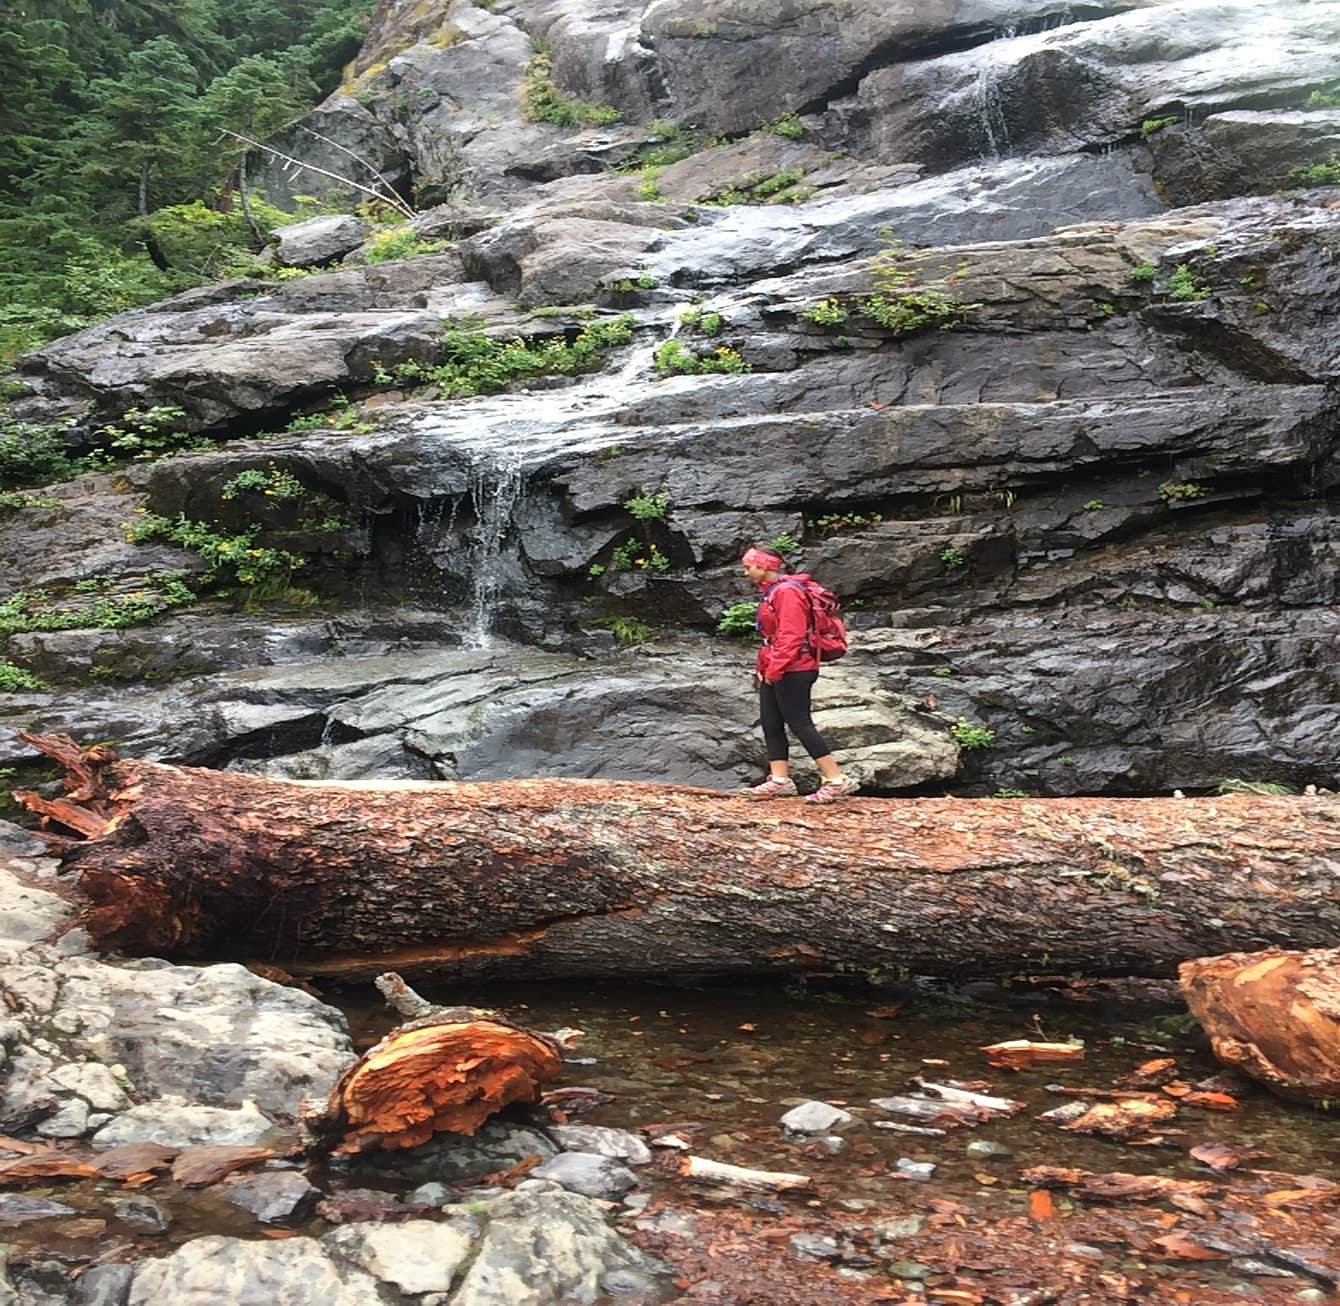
(738, 1060)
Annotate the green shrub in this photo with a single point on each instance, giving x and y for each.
(34, 455)
(15, 680)
(39, 610)
(942, 672)
(265, 571)
(150, 433)
(788, 125)
(544, 102)
(1173, 491)
(628, 631)
(275, 484)
(832, 522)
(1269, 788)
(1093, 505)
(1144, 271)
(647, 188)
(784, 543)
(969, 736)
(1317, 174)
(15, 500)
(648, 507)
(827, 312)
(391, 243)
(1185, 284)
(738, 619)
(952, 558)
(703, 324)
(899, 306)
(476, 364)
(1152, 125)
(676, 359)
(634, 555)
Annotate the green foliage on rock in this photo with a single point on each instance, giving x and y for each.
(648, 507)
(899, 304)
(1185, 284)
(15, 680)
(674, 358)
(234, 557)
(544, 102)
(738, 619)
(391, 243)
(40, 609)
(473, 363)
(1317, 174)
(970, 736)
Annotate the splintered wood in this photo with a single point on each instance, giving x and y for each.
(444, 1077)
(1274, 1016)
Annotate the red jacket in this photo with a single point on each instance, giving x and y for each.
(784, 618)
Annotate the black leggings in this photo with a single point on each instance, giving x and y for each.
(787, 703)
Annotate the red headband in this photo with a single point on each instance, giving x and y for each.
(764, 558)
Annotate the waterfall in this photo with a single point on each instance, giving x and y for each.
(990, 113)
(496, 486)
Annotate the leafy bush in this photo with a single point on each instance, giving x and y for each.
(275, 484)
(739, 619)
(784, 543)
(34, 455)
(39, 610)
(1144, 271)
(969, 736)
(676, 359)
(544, 102)
(1317, 174)
(263, 570)
(15, 500)
(1152, 125)
(476, 364)
(647, 188)
(832, 522)
(150, 433)
(15, 680)
(648, 507)
(628, 631)
(900, 307)
(703, 324)
(1185, 284)
(952, 558)
(827, 312)
(391, 243)
(788, 125)
(634, 555)
(1173, 491)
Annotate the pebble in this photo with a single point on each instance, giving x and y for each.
(984, 1147)
(919, 1170)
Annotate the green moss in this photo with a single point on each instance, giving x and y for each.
(544, 102)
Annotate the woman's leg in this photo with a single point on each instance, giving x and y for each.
(792, 693)
(774, 729)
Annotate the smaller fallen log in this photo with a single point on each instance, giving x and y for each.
(1274, 1016)
(1023, 1054)
(703, 1171)
(446, 1070)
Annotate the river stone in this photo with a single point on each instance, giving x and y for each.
(104, 1285)
(604, 1141)
(432, 1194)
(451, 1158)
(985, 1148)
(18, 1208)
(588, 1173)
(920, 1170)
(272, 1195)
(317, 240)
(69, 1121)
(143, 1211)
(178, 1123)
(93, 1082)
(815, 1118)
(210, 1270)
(415, 1256)
(544, 1248)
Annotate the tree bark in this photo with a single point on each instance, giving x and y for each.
(1274, 1016)
(553, 878)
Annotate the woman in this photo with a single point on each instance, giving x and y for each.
(787, 670)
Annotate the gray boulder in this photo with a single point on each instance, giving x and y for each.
(603, 1141)
(318, 240)
(588, 1173)
(272, 1195)
(176, 1123)
(415, 1256)
(815, 1118)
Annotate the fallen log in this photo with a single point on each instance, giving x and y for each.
(446, 1070)
(553, 878)
(1274, 1016)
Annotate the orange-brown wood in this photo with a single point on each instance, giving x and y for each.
(1274, 1016)
(440, 1077)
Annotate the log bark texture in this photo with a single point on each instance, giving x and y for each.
(552, 878)
(1274, 1016)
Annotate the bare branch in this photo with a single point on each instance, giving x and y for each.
(289, 161)
(357, 158)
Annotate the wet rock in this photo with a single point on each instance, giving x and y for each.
(28, 913)
(549, 1247)
(318, 240)
(141, 1210)
(205, 1271)
(815, 1118)
(104, 1285)
(433, 1194)
(178, 1123)
(919, 1170)
(94, 1082)
(985, 1148)
(273, 1195)
(69, 1121)
(604, 1141)
(495, 1146)
(903, 1227)
(415, 1256)
(18, 1208)
(589, 1174)
(913, 1270)
(815, 1247)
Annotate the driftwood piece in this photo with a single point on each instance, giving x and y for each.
(445, 1071)
(562, 878)
(703, 1171)
(1023, 1054)
(1274, 1016)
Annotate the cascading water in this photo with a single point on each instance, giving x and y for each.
(496, 487)
(990, 113)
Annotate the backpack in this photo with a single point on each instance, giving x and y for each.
(827, 634)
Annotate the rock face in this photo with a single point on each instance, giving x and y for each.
(1060, 427)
